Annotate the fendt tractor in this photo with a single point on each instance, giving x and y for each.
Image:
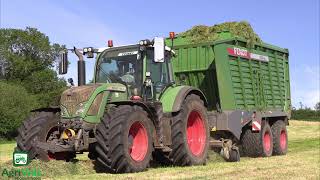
(149, 101)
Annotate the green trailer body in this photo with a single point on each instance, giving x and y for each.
(234, 77)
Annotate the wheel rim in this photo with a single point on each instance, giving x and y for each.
(267, 141)
(54, 156)
(196, 133)
(283, 139)
(51, 156)
(138, 141)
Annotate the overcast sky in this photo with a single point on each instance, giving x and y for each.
(288, 24)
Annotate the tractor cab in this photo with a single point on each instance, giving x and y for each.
(144, 69)
(135, 67)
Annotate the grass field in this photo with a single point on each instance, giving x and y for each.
(301, 162)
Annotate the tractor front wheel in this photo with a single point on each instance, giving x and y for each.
(124, 142)
(42, 127)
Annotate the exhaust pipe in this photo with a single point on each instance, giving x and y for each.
(81, 68)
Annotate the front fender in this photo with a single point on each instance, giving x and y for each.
(111, 92)
(173, 97)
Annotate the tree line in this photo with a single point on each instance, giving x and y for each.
(306, 113)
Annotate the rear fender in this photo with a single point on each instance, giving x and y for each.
(173, 98)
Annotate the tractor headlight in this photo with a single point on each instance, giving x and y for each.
(80, 109)
(145, 42)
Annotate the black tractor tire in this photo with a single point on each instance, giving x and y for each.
(38, 128)
(254, 144)
(280, 138)
(161, 158)
(92, 151)
(182, 154)
(116, 140)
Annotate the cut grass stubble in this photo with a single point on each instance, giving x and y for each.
(302, 160)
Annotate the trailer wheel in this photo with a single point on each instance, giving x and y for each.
(124, 142)
(42, 127)
(258, 144)
(190, 133)
(280, 138)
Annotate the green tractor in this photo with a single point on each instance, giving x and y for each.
(125, 116)
(147, 102)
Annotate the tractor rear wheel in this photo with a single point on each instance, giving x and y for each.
(124, 141)
(280, 138)
(190, 133)
(258, 144)
(42, 127)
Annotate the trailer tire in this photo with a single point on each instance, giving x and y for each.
(190, 133)
(118, 129)
(39, 127)
(280, 138)
(258, 144)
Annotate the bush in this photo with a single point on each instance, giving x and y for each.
(15, 105)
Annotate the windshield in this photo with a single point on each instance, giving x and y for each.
(120, 67)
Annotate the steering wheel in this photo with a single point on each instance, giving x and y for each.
(127, 78)
(159, 83)
(159, 86)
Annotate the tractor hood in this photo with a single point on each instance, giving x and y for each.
(76, 101)
(71, 98)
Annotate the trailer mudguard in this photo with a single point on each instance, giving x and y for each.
(173, 98)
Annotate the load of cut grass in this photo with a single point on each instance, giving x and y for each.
(202, 33)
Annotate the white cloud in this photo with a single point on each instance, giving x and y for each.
(305, 85)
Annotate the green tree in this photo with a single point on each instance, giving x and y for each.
(317, 106)
(15, 105)
(46, 87)
(26, 51)
(30, 59)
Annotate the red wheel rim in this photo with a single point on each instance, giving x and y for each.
(51, 156)
(196, 133)
(138, 141)
(283, 139)
(267, 141)
(57, 156)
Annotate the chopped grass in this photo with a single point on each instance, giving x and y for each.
(302, 161)
(202, 33)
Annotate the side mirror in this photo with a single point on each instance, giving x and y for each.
(70, 81)
(158, 49)
(63, 64)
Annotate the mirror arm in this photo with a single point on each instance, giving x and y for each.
(78, 53)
